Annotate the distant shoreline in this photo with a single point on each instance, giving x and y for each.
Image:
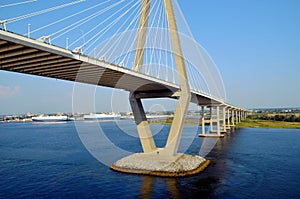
(256, 123)
(246, 123)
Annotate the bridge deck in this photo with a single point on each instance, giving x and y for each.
(25, 55)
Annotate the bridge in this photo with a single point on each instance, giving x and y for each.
(181, 81)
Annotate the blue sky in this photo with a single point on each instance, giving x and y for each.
(255, 44)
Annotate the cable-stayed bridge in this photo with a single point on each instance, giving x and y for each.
(141, 50)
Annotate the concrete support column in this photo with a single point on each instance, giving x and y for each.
(228, 118)
(185, 93)
(141, 37)
(211, 118)
(232, 117)
(224, 119)
(236, 117)
(218, 120)
(203, 120)
(143, 128)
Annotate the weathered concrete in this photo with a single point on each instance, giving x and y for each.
(149, 164)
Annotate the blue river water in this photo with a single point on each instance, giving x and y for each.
(51, 161)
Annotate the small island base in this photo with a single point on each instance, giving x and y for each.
(148, 164)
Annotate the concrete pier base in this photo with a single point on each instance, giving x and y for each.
(211, 135)
(179, 165)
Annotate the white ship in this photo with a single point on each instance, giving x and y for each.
(102, 116)
(50, 119)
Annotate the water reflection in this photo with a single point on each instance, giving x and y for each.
(149, 182)
(147, 187)
(173, 187)
(203, 184)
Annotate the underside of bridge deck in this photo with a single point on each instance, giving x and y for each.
(28, 56)
(40, 61)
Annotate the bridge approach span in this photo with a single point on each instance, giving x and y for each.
(29, 56)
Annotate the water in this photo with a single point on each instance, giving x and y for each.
(49, 160)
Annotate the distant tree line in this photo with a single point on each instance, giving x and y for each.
(285, 118)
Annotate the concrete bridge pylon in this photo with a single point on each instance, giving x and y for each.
(168, 155)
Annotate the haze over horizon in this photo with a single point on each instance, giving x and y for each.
(255, 44)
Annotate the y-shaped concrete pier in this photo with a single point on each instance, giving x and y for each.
(161, 161)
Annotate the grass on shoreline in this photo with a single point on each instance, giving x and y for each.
(251, 123)
(246, 123)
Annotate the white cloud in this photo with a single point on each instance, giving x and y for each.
(6, 91)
